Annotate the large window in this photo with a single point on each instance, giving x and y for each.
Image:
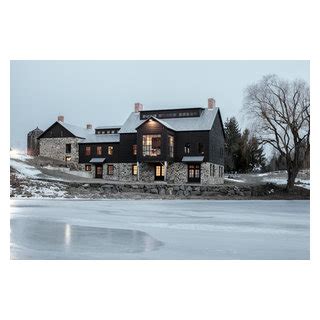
(110, 150)
(68, 148)
(99, 150)
(187, 148)
(88, 151)
(110, 169)
(151, 145)
(171, 146)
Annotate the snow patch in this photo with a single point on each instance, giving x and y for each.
(25, 169)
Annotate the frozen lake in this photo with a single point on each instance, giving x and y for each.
(159, 229)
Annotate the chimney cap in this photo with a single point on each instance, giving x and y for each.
(89, 126)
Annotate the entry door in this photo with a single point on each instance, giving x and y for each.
(159, 172)
(99, 171)
(194, 172)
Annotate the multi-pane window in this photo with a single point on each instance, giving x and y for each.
(194, 171)
(134, 169)
(110, 150)
(68, 148)
(171, 146)
(134, 149)
(220, 171)
(110, 169)
(68, 158)
(88, 151)
(187, 148)
(87, 167)
(99, 150)
(151, 145)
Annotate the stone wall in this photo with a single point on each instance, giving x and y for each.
(177, 173)
(146, 172)
(125, 172)
(55, 148)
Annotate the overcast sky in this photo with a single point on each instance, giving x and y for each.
(104, 92)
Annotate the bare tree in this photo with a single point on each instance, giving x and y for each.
(280, 114)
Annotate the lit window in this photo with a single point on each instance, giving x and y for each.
(110, 169)
(134, 169)
(99, 150)
(87, 167)
(110, 150)
(68, 158)
(151, 145)
(88, 151)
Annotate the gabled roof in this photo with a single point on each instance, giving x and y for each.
(102, 138)
(202, 123)
(76, 131)
(164, 123)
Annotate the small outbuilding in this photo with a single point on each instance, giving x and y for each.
(33, 142)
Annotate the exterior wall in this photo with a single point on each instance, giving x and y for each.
(116, 172)
(216, 141)
(55, 148)
(207, 178)
(125, 172)
(114, 158)
(177, 173)
(127, 140)
(146, 172)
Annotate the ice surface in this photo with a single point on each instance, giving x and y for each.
(159, 229)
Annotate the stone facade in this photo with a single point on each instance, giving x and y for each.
(55, 148)
(177, 173)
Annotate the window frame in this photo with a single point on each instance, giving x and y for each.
(110, 169)
(110, 150)
(68, 145)
(87, 151)
(88, 168)
(99, 153)
(134, 169)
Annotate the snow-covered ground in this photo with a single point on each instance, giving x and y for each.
(82, 174)
(159, 229)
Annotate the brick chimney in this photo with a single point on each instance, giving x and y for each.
(61, 118)
(138, 107)
(211, 103)
(89, 126)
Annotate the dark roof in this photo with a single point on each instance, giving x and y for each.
(164, 123)
(78, 132)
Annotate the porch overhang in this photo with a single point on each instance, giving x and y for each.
(192, 159)
(97, 160)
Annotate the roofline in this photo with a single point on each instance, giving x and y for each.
(61, 126)
(177, 108)
(155, 119)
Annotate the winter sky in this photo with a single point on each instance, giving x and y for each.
(104, 92)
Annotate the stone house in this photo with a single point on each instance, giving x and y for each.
(182, 145)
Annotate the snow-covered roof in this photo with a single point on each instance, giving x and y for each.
(102, 138)
(77, 131)
(202, 123)
(97, 160)
(108, 127)
(192, 158)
